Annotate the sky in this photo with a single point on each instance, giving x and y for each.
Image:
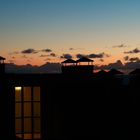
(39, 31)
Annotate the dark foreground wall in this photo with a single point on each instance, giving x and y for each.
(78, 106)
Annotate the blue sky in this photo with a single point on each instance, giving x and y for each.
(89, 26)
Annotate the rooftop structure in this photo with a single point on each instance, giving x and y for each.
(83, 65)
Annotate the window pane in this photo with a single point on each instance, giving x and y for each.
(18, 125)
(27, 93)
(28, 136)
(36, 110)
(18, 109)
(27, 125)
(36, 93)
(37, 136)
(27, 109)
(17, 93)
(37, 126)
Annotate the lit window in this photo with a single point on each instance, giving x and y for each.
(27, 112)
(18, 88)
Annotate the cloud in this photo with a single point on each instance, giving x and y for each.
(66, 56)
(29, 51)
(102, 60)
(126, 58)
(100, 55)
(53, 54)
(71, 48)
(134, 59)
(80, 55)
(47, 50)
(136, 50)
(120, 46)
(42, 55)
(93, 55)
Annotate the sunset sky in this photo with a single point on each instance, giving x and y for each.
(39, 31)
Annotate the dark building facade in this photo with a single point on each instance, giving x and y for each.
(67, 106)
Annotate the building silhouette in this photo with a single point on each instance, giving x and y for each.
(80, 66)
(68, 105)
(2, 65)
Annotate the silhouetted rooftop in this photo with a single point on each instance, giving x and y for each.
(84, 59)
(69, 61)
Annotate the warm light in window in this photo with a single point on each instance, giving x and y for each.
(18, 88)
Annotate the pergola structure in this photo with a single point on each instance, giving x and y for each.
(83, 65)
(85, 59)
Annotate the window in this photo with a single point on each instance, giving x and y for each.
(27, 112)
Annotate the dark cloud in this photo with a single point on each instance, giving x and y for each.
(136, 50)
(120, 46)
(134, 59)
(100, 55)
(42, 55)
(93, 55)
(47, 50)
(126, 58)
(53, 54)
(102, 60)
(71, 48)
(80, 55)
(66, 56)
(29, 51)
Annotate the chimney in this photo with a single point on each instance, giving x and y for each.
(2, 65)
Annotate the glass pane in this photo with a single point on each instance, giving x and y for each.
(18, 109)
(27, 109)
(36, 93)
(27, 125)
(27, 93)
(18, 126)
(18, 93)
(37, 136)
(36, 110)
(28, 136)
(37, 125)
